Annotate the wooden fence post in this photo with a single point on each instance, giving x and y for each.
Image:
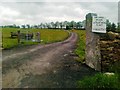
(18, 36)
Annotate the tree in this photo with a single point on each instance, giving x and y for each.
(23, 26)
(44, 26)
(52, 24)
(118, 27)
(28, 26)
(108, 25)
(17, 26)
(113, 27)
(41, 25)
(79, 25)
(72, 24)
(14, 26)
(47, 25)
(35, 26)
(56, 24)
(83, 24)
(61, 25)
(65, 23)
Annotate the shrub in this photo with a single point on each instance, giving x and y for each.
(100, 81)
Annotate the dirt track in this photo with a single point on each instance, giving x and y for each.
(44, 66)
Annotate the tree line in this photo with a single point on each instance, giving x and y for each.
(52, 25)
(112, 26)
(66, 25)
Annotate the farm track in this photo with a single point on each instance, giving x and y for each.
(44, 66)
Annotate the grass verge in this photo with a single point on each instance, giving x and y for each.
(80, 50)
(100, 81)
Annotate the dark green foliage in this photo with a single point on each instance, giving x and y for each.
(100, 81)
(118, 27)
(113, 27)
(68, 25)
(108, 25)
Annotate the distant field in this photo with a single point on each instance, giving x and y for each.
(80, 51)
(47, 36)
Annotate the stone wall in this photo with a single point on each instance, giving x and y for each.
(93, 56)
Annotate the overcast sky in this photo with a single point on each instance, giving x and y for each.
(37, 12)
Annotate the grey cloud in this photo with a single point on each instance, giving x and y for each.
(107, 9)
(37, 12)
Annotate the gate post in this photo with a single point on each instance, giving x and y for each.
(38, 37)
(93, 56)
(18, 36)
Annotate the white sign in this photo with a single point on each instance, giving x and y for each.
(99, 24)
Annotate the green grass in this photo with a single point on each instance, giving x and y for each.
(48, 36)
(80, 50)
(100, 81)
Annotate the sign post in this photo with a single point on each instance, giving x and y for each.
(18, 36)
(98, 24)
(94, 26)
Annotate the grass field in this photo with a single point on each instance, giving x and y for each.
(46, 35)
(80, 50)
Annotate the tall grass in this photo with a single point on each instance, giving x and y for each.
(80, 50)
(46, 35)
